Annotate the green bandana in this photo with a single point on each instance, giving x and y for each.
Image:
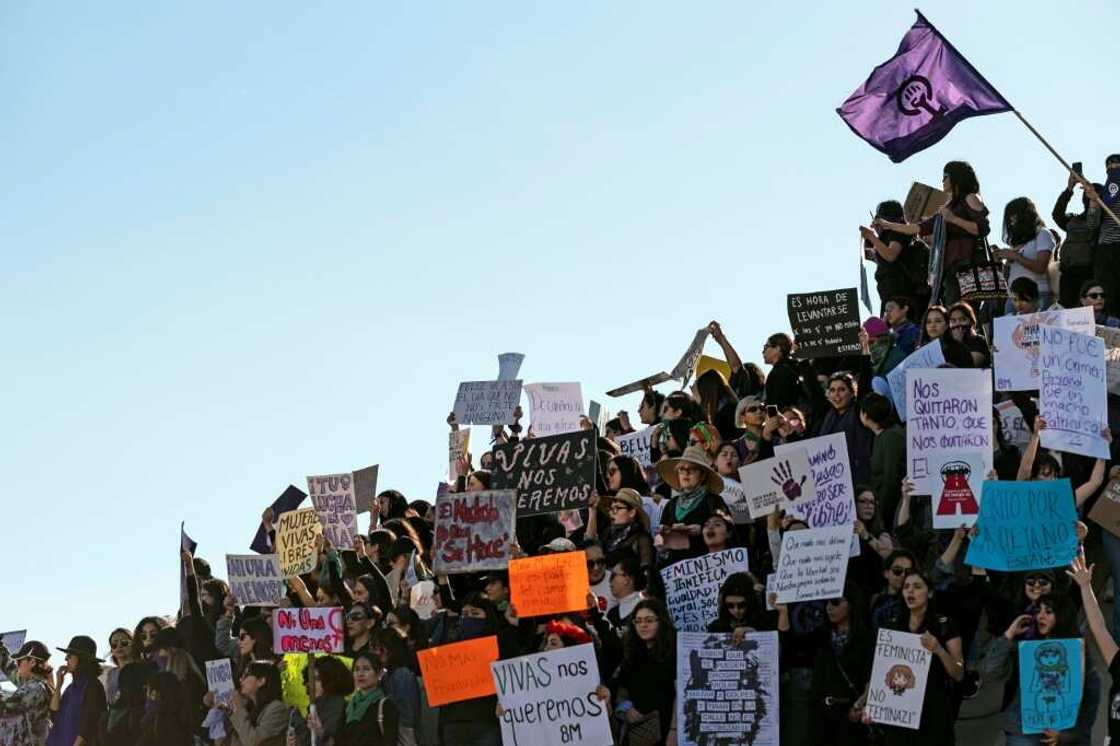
(360, 702)
(686, 501)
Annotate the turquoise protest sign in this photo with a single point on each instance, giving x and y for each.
(1025, 526)
(1050, 684)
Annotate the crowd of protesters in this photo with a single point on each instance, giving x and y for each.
(147, 685)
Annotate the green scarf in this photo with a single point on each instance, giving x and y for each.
(360, 702)
(686, 501)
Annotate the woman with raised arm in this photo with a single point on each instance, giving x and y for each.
(1083, 576)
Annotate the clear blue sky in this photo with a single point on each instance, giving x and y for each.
(243, 243)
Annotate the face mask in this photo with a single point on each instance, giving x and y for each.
(471, 627)
(879, 351)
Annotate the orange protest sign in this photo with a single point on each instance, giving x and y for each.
(459, 671)
(550, 584)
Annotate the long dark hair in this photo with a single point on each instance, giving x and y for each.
(875, 527)
(631, 474)
(740, 584)
(270, 690)
(261, 632)
(139, 652)
(397, 503)
(714, 392)
(169, 722)
(925, 317)
(962, 180)
(1065, 613)
(664, 646)
(1021, 222)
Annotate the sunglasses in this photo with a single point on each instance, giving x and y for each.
(1094, 296)
(121, 643)
(752, 409)
(356, 617)
(596, 563)
(1036, 582)
(898, 572)
(618, 508)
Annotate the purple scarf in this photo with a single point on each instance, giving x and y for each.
(68, 719)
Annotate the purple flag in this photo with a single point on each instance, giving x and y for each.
(913, 99)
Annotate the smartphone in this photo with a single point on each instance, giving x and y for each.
(771, 411)
(1076, 166)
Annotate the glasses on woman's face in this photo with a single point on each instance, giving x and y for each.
(355, 616)
(596, 563)
(619, 508)
(1037, 582)
(687, 469)
(899, 570)
(753, 409)
(120, 642)
(1094, 296)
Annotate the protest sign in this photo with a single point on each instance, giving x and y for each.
(459, 671)
(832, 503)
(509, 365)
(1050, 683)
(864, 291)
(219, 680)
(1015, 344)
(898, 680)
(186, 544)
(813, 564)
(735, 497)
(692, 586)
(1024, 526)
(924, 358)
(1015, 430)
(825, 324)
(784, 481)
(727, 693)
(1111, 339)
(922, 201)
(687, 364)
(13, 641)
(333, 498)
(549, 584)
(571, 520)
(550, 474)
(949, 417)
(487, 402)
(288, 500)
(255, 579)
(554, 408)
(957, 493)
(422, 598)
(636, 445)
(365, 489)
(1106, 510)
(473, 531)
(1073, 392)
(295, 541)
(599, 416)
(640, 384)
(312, 629)
(458, 445)
(549, 699)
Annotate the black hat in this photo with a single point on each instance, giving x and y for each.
(33, 649)
(83, 647)
(168, 637)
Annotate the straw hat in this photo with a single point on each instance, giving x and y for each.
(696, 456)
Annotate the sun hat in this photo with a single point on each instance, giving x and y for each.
(696, 456)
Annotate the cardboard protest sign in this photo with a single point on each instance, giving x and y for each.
(1015, 344)
(1014, 428)
(692, 586)
(640, 384)
(422, 598)
(313, 629)
(473, 531)
(687, 364)
(458, 445)
(550, 474)
(636, 445)
(1024, 526)
(898, 680)
(487, 402)
(825, 324)
(1106, 510)
(599, 416)
(924, 358)
(813, 564)
(549, 698)
(289, 500)
(219, 680)
(187, 544)
(295, 541)
(949, 417)
(1050, 683)
(509, 365)
(957, 494)
(13, 641)
(333, 498)
(459, 671)
(255, 579)
(735, 497)
(365, 489)
(727, 693)
(1073, 394)
(922, 201)
(549, 584)
(554, 408)
(785, 481)
(833, 501)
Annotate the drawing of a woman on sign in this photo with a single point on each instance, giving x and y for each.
(1051, 681)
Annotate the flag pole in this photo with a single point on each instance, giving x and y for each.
(1081, 179)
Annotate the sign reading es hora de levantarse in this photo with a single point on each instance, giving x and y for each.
(825, 324)
(550, 474)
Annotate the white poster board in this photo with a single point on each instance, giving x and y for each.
(692, 586)
(1073, 392)
(554, 408)
(487, 402)
(813, 564)
(833, 501)
(898, 680)
(334, 500)
(255, 579)
(949, 418)
(924, 358)
(785, 481)
(1015, 344)
(219, 680)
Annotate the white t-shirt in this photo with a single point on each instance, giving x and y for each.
(1044, 241)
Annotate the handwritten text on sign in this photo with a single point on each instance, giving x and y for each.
(295, 541)
(813, 564)
(825, 324)
(834, 502)
(898, 679)
(554, 408)
(254, 579)
(549, 698)
(549, 584)
(459, 671)
(949, 416)
(219, 679)
(692, 587)
(487, 402)
(1024, 526)
(1050, 683)
(550, 474)
(308, 630)
(474, 531)
(1016, 339)
(333, 498)
(1073, 392)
